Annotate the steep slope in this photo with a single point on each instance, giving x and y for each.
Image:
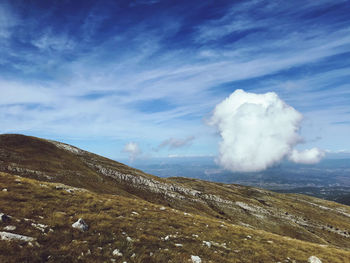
(122, 229)
(297, 216)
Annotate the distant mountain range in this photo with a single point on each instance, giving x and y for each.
(59, 203)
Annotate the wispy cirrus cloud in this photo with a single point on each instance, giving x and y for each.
(174, 143)
(48, 41)
(7, 21)
(168, 68)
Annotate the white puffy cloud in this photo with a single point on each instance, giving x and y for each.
(133, 149)
(309, 156)
(257, 131)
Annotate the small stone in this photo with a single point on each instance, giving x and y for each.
(179, 245)
(162, 208)
(207, 243)
(9, 228)
(4, 217)
(4, 190)
(196, 259)
(129, 239)
(81, 225)
(40, 227)
(314, 259)
(117, 253)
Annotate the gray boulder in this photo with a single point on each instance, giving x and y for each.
(80, 225)
(4, 218)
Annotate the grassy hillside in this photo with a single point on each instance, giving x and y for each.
(141, 231)
(244, 209)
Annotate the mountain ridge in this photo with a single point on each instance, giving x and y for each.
(293, 216)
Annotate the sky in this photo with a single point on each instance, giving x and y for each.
(141, 79)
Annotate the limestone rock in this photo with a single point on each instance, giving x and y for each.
(207, 243)
(81, 225)
(10, 236)
(196, 259)
(4, 217)
(314, 259)
(10, 228)
(117, 253)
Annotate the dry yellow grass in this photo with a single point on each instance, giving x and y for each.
(113, 218)
(282, 228)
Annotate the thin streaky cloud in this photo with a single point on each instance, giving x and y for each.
(167, 67)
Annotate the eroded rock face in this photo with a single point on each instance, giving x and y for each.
(14, 168)
(67, 147)
(80, 225)
(170, 190)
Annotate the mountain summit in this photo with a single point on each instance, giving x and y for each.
(59, 203)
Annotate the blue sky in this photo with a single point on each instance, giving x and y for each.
(101, 74)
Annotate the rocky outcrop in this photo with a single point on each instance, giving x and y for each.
(67, 147)
(14, 168)
(15, 237)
